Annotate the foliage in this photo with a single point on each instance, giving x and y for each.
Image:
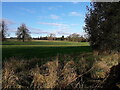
(113, 81)
(51, 36)
(62, 38)
(102, 26)
(73, 37)
(23, 33)
(3, 30)
(76, 38)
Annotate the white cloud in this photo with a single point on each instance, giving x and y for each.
(12, 30)
(61, 29)
(37, 31)
(54, 16)
(75, 2)
(53, 24)
(75, 14)
(7, 21)
(62, 32)
(63, 14)
(58, 31)
(27, 10)
(50, 8)
(74, 24)
(54, 7)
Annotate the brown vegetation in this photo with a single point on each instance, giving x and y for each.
(83, 73)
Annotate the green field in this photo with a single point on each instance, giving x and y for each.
(42, 49)
(44, 42)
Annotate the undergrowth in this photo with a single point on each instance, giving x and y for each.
(85, 71)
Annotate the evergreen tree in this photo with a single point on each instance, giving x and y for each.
(103, 25)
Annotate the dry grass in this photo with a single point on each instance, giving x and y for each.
(49, 75)
(103, 65)
(45, 76)
(68, 73)
(56, 73)
(10, 78)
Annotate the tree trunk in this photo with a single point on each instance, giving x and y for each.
(23, 40)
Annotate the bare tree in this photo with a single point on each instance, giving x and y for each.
(3, 30)
(74, 37)
(51, 36)
(23, 33)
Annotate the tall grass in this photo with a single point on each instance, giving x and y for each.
(63, 71)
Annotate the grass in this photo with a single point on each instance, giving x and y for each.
(42, 49)
(44, 42)
(60, 72)
(54, 64)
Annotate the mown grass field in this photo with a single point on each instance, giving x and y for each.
(42, 49)
(45, 42)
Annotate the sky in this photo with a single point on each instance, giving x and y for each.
(43, 18)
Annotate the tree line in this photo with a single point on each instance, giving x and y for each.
(103, 26)
(24, 34)
(72, 37)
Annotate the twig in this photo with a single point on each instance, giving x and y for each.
(101, 82)
(80, 75)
